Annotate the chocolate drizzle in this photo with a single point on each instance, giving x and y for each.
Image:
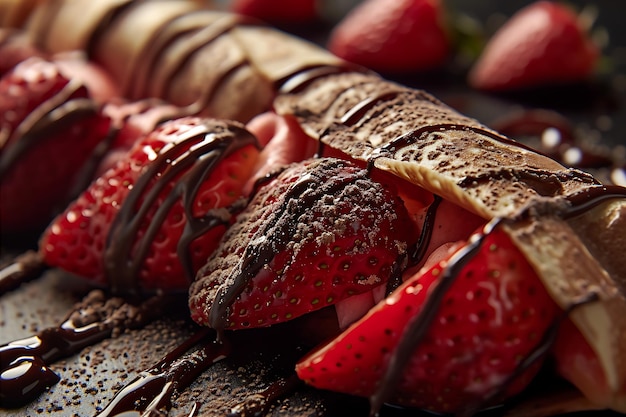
(414, 136)
(297, 82)
(259, 404)
(152, 390)
(419, 325)
(23, 268)
(59, 111)
(590, 197)
(199, 34)
(190, 161)
(24, 371)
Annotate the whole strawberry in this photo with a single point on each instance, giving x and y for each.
(540, 45)
(393, 36)
(321, 231)
(456, 333)
(153, 219)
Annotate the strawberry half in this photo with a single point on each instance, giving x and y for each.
(154, 218)
(49, 128)
(319, 232)
(393, 36)
(540, 45)
(463, 326)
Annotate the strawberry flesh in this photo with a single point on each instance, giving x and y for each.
(494, 314)
(321, 231)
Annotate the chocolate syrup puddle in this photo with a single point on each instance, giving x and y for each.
(151, 392)
(23, 268)
(24, 371)
(210, 144)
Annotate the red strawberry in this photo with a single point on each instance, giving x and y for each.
(541, 44)
(577, 362)
(49, 128)
(320, 232)
(494, 313)
(278, 11)
(393, 36)
(155, 217)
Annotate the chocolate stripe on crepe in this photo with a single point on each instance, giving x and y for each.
(219, 64)
(429, 144)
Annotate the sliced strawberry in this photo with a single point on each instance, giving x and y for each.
(319, 232)
(278, 11)
(463, 327)
(49, 128)
(578, 363)
(155, 217)
(393, 36)
(540, 45)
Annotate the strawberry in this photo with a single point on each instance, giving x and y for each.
(577, 362)
(277, 11)
(463, 326)
(49, 126)
(393, 36)
(321, 231)
(151, 220)
(542, 44)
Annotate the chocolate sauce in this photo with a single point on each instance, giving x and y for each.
(539, 353)
(151, 69)
(59, 113)
(419, 325)
(590, 197)
(24, 372)
(415, 135)
(295, 83)
(23, 268)
(257, 405)
(61, 110)
(356, 113)
(153, 389)
(192, 159)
